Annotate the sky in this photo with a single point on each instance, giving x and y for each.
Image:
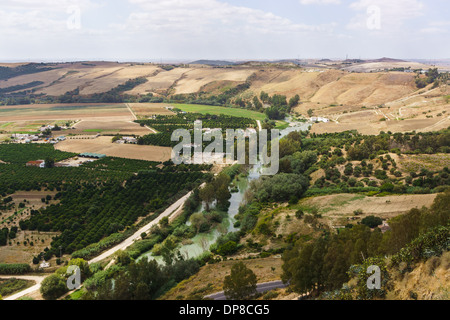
(186, 30)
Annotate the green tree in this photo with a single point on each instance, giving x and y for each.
(53, 287)
(241, 283)
(207, 195)
(197, 220)
(293, 102)
(123, 258)
(264, 97)
(372, 221)
(258, 105)
(49, 162)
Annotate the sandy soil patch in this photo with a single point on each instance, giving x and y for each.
(339, 207)
(103, 145)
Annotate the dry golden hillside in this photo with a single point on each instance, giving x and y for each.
(369, 102)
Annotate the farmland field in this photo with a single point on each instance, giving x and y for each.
(65, 112)
(108, 127)
(104, 145)
(150, 109)
(214, 110)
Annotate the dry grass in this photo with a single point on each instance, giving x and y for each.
(428, 281)
(193, 80)
(161, 82)
(103, 145)
(339, 208)
(18, 252)
(432, 162)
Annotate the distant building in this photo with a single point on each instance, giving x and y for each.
(93, 155)
(42, 129)
(37, 164)
(384, 227)
(319, 119)
(130, 139)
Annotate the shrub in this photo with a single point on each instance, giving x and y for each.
(372, 221)
(227, 248)
(53, 287)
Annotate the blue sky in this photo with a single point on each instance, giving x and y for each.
(150, 30)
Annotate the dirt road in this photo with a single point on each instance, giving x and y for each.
(172, 210)
(22, 293)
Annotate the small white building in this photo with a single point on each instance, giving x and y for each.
(319, 119)
(130, 139)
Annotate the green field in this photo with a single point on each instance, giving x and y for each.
(236, 112)
(97, 130)
(7, 124)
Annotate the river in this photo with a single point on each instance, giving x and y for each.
(201, 242)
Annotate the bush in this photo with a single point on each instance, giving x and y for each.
(228, 248)
(372, 221)
(299, 214)
(53, 287)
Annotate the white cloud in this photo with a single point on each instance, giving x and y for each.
(436, 27)
(320, 2)
(42, 18)
(393, 14)
(203, 17)
(46, 5)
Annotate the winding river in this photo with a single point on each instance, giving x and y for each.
(201, 242)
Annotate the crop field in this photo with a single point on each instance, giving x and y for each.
(150, 109)
(214, 110)
(108, 127)
(26, 126)
(65, 112)
(104, 145)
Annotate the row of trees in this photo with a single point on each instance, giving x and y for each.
(89, 212)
